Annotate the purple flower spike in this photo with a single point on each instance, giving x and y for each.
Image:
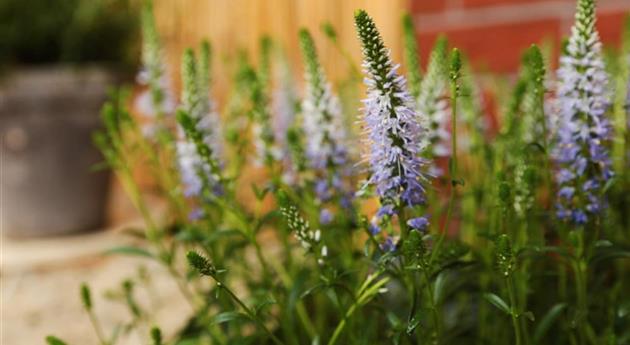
(323, 121)
(395, 130)
(583, 132)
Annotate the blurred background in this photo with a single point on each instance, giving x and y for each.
(59, 211)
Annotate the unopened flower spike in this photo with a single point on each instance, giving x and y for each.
(584, 132)
(199, 143)
(535, 123)
(310, 240)
(86, 297)
(455, 70)
(528, 125)
(411, 55)
(504, 259)
(432, 100)
(395, 130)
(156, 336)
(201, 264)
(264, 68)
(621, 148)
(329, 30)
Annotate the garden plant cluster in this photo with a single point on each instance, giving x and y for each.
(435, 230)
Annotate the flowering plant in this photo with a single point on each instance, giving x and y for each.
(393, 247)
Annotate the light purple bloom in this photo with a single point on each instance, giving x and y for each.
(321, 111)
(197, 103)
(323, 126)
(158, 98)
(388, 245)
(583, 132)
(395, 130)
(419, 223)
(283, 105)
(374, 228)
(385, 210)
(325, 216)
(195, 214)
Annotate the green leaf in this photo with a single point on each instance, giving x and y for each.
(609, 253)
(623, 310)
(259, 307)
(498, 302)
(312, 290)
(529, 315)
(413, 323)
(603, 243)
(547, 321)
(229, 316)
(130, 250)
(51, 340)
(439, 287)
(260, 193)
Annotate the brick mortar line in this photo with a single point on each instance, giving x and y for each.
(463, 18)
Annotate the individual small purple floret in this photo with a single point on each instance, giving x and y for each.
(419, 223)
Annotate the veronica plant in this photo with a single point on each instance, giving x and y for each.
(300, 266)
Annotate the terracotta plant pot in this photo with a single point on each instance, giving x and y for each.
(48, 184)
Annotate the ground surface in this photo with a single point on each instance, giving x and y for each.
(39, 288)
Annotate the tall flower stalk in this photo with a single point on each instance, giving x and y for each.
(621, 148)
(432, 101)
(265, 141)
(582, 141)
(284, 104)
(199, 146)
(584, 132)
(159, 99)
(410, 50)
(395, 130)
(323, 126)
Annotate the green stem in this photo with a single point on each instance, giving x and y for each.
(581, 286)
(97, 328)
(513, 311)
(453, 169)
(342, 325)
(433, 304)
(438, 244)
(301, 310)
(248, 311)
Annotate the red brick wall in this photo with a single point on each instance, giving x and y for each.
(493, 33)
